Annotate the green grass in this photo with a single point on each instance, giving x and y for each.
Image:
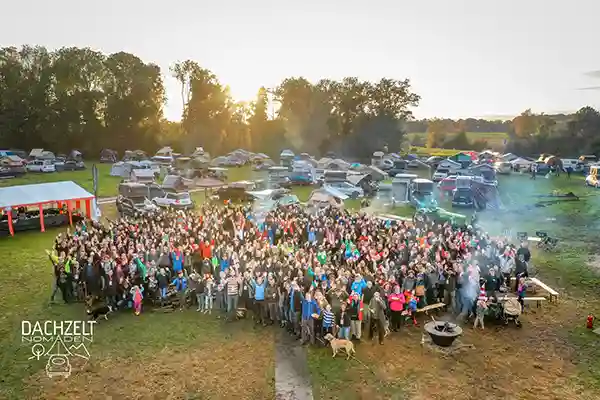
(156, 338)
(432, 151)
(107, 185)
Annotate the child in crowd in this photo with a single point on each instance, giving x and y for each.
(521, 289)
(328, 320)
(480, 312)
(343, 321)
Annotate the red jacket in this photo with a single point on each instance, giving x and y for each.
(206, 251)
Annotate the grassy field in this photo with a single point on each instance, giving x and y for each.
(192, 356)
(107, 185)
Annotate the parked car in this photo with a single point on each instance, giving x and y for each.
(503, 167)
(41, 166)
(134, 206)
(70, 165)
(348, 189)
(462, 197)
(399, 167)
(573, 163)
(233, 194)
(180, 200)
(440, 174)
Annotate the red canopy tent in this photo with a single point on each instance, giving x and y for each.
(63, 194)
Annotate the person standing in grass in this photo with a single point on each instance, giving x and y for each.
(233, 282)
(343, 322)
(310, 309)
(181, 285)
(259, 285)
(377, 307)
(328, 320)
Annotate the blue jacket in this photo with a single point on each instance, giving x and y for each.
(180, 284)
(259, 290)
(224, 264)
(309, 307)
(177, 263)
(358, 286)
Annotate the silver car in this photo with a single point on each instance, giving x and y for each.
(354, 192)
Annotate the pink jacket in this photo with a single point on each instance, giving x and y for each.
(396, 301)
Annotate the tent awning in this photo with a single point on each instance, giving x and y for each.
(41, 193)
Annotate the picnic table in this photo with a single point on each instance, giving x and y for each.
(553, 293)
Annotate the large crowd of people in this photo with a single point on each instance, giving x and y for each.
(340, 272)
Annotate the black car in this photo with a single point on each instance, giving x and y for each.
(72, 165)
(462, 197)
(235, 194)
(134, 206)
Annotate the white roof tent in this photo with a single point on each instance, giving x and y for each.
(61, 193)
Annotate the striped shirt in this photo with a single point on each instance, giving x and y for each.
(328, 318)
(233, 286)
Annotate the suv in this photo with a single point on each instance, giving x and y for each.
(235, 194)
(176, 200)
(134, 206)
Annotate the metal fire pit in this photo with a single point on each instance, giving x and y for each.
(443, 333)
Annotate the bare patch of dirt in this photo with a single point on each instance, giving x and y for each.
(241, 369)
(594, 264)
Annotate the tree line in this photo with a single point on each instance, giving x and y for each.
(527, 134)
(561, 135)
(78, 98)
(460, 125)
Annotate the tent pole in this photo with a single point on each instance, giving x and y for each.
(70, 213)
(42, 227)
(10, 223)
(88, 208)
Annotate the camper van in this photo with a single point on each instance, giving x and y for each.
(164, 156)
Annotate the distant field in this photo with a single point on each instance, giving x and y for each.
(427, 151)
(493, 138)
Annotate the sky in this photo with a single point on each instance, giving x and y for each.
(466, 58)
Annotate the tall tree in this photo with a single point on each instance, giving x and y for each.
(525, 124)
(257, 122)
(436, 130)
(207, 107)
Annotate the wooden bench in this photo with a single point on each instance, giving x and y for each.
(538, 300)
(430, 307)
(553, 293)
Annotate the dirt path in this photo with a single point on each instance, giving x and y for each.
(292, 379)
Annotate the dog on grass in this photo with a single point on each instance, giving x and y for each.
(337, 344)
(101, 311)
(386, 328)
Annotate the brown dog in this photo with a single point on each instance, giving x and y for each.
(337, 344)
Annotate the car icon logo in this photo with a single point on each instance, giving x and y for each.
(58, 365)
